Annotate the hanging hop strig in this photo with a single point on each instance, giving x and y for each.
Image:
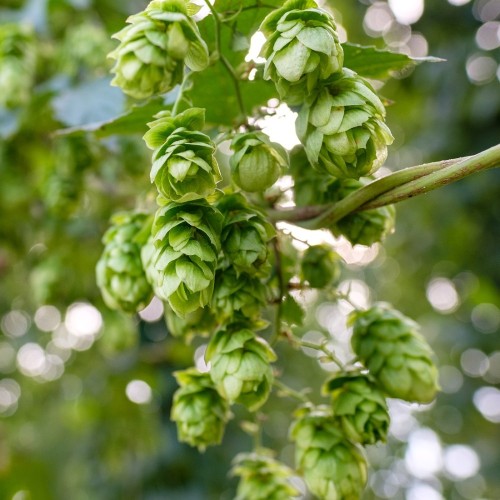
(240, 365)
(333, 467)
(320, 266)
(360, 407)
(200, 412)
(262, 477)
(398, 357)
(302, 48)
(342, 127)
(119, 271)
(184, 167)
(154, 48)
(186, 240)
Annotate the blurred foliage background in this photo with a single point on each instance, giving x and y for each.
(85, 393)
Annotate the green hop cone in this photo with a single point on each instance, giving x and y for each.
(119, 271)
(201, 322)
(184, 167)
(320, 266)
(17, 64)
(302, 48)
(399, 358)
(198, 409)
(342, 127)
(366, 227)
(240, 365)
(187, 242)
(262, 477)
(333, 467)
(245, 235)
(154, 48)
(257, 162)
(360, 407)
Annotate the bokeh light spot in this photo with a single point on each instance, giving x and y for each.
(423, 457)
(47, 318)
(461, 461)
(139, 392)
(153, 311)
(486, 317)
(407, 11)
(487, 401)
(15, 323)
(474, 362)
(442, 295)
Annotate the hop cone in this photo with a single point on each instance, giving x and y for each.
(399, 358)
(154, 48)
(184, 167)
(17, 64)
(119, 272)
(187, 242)
(302, 48)
(257, 162)
(245, 235)
(198, 409)
(320, 266)
(368, 226)
(201, 322)
(240, 366)
(360, 408)
(342, 127)
(262, 477)
(333, 468)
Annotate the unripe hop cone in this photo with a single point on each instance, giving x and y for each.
(398, 357)
(302, 48)
(119, 271)
(320, 266)
(154, 48)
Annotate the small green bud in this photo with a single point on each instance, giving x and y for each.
(198, 409)
(399, 358)
(320, 266)
(257, 162)
(240, 366)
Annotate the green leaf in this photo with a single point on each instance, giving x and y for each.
(379, 64)
(292, 312)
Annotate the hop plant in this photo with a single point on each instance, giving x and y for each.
(333, 467)
(201, 322)
(184, 167)
(399, 358)
(187, 242)
(262, 477)
(245, 235)
(199, 411)
(320, 266)
(240, 365)
(366, 227)
(119, 271)
(17, 64)
(257, 162)
(360, 407)
(154, 48)
(342, 127)
(302, 48)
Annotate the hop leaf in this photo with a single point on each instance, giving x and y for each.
(198, 409)
(154, 48)
(257, 162)
(399, 358)
(187, 242)
(342, 127)
(262, 477)
(184, 167)
(360, 408)
(240, 365)
(332, 466)
(302, 48)
(119, 272)
(320, 266)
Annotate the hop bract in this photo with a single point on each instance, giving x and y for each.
(332, 466)
(342, 127)
(257, 162)
(198, 409)
(187, 242)
(240, 366)
(119, 272)
(360, 407)
(184, 167)
(399, 358)
(262, 477)
(320, 266)
(302, 48)
(154, 48)
(201, 322)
